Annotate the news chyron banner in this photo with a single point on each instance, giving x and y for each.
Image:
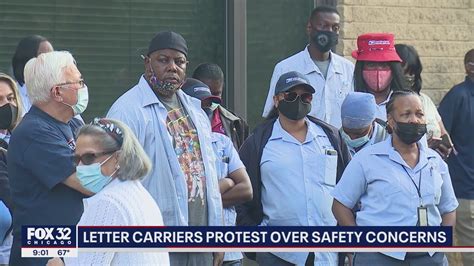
(66, 241)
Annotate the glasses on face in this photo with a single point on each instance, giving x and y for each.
(291, 96)
(80, 82)
(90, 157)
(180, 62)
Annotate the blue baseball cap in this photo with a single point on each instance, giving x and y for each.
(291, 79)
(358, 110)
(197, 89)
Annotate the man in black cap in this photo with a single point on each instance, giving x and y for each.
(176, 134)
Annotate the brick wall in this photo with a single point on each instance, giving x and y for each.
(442, 31)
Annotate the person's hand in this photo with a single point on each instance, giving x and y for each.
(444, 151)
(434, 142)
(55, 262)
(218, 258)
(225, 184)
(441, 145)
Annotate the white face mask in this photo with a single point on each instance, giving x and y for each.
(82, 101)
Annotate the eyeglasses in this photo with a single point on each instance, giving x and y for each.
(89, 158)
(292, 96)
(114, 131)
(80, 82)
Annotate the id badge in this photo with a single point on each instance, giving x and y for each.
(422, 216)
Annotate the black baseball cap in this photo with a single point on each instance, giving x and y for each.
(290, 80)
(168, 40)
(197, 89)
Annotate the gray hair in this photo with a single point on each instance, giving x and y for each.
(132, 159)
(44, 72)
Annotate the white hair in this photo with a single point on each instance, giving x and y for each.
(133, 161)
(44, 72)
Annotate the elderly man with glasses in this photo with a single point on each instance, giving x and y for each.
(45, 189)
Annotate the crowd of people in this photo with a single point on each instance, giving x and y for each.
(341, 144)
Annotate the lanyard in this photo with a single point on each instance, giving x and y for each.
(418, 188)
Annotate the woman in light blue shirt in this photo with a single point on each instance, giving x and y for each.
(294, 161)
(403, 179)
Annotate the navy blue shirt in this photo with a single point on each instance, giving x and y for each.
(39, 160)
(457, 111)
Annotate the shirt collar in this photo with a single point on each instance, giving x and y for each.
(386, 100)
(279, 133)
(147, 96)
(310, 66)
(470, 84)
(37, 111)
(386, 148)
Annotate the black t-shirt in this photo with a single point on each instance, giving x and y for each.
(39, 160)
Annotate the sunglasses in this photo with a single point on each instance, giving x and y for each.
(292, 96)
(89, 158)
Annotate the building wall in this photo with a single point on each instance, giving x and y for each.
(442, 31)
(275, 31)
(107, 37)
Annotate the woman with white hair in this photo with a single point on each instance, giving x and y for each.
(110, 162)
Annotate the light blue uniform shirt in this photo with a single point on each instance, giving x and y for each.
(330, 90)
(25, 100)
(376, 178)
(141, 110)
(228, 161)
(297, 179)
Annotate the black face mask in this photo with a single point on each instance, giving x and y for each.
(8, 114)
(325, 40)
(294, 110)
(410, 133)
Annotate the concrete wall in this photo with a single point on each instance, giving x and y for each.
(442, 31)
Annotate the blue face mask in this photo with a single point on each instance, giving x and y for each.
(354, 143)
(91, 176)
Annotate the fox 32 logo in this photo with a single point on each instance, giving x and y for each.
(48, 236)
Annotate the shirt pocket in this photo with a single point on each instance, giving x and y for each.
(330, 167)
(437, 180)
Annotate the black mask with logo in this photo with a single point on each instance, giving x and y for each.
(325, 40)
(8, 114)
(294, 110)
(410, 133)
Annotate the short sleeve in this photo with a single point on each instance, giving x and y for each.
(50, 158)
(351, 186)
(234, 160)
(448, 201)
